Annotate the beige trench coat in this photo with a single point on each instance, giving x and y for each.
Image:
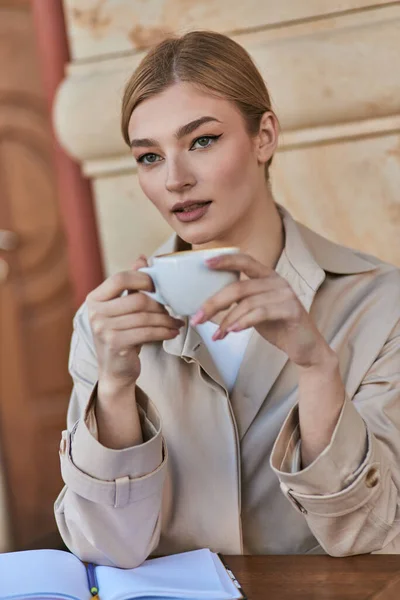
(222, 471)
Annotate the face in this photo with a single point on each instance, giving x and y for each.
(197, 163)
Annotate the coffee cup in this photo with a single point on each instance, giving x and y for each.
(183, 282)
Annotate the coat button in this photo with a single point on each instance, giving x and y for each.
(63, 443)
(372, 477)
(63, 446)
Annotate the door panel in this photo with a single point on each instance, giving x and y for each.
(35, 292)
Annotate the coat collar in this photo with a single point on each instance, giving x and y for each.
(305, 250)
(304, 262)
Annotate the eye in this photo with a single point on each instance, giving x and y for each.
(148, 159)
(204, 141)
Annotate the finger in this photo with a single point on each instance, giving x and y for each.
(144, 319)
(235, 292)
(123, 340)
(240, 262)
(141, 261)
(245, 307)
(136, 302)
(116, 284)
(273, 313)
(250, 319)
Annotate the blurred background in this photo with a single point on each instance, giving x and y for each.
(71, 211)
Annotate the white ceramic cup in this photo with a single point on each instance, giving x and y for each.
(183, 281)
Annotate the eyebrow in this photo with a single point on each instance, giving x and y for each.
(180, 133)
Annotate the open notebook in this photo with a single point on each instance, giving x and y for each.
(58, 575)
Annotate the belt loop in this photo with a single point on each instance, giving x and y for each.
(121, 492)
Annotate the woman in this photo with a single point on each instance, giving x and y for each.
(190, 434)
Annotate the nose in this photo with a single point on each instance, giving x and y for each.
(179, 176)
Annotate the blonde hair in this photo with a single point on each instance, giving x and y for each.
(207, 59)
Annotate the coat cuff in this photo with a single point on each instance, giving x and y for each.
(117, 493)
(99, 462)
(335, 468)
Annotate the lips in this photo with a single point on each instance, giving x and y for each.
(186, 207)
(193, 211)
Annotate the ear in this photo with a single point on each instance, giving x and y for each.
(267, 138)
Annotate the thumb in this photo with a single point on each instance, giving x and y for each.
(141, 261)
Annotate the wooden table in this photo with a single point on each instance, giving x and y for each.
(372, 577)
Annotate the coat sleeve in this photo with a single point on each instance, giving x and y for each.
(109, 510)
(350, 494)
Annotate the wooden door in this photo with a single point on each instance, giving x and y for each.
(35, 292)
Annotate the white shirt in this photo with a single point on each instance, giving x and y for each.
(228, 353)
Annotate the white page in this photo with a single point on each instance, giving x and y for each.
(226, 581)
(40, 573)
(190, 575)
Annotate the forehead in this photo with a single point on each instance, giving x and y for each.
(177, 105)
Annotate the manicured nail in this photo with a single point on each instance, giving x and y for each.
(217, 335)
(234, 327)
(197, 318)
(213, 261)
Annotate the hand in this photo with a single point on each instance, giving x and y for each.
(265, 301)
(120, 325)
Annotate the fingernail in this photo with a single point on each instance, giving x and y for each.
(218, 335)
(212, 261)
(234, 327)
(197, 318)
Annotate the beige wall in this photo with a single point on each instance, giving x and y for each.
(332, 69)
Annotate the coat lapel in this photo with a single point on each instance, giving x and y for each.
(263, 362)
(190, 347)
(259, 370)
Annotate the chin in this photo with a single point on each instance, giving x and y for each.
(195, 239)
(200, 235)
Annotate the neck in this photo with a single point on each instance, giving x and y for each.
(261, 235)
